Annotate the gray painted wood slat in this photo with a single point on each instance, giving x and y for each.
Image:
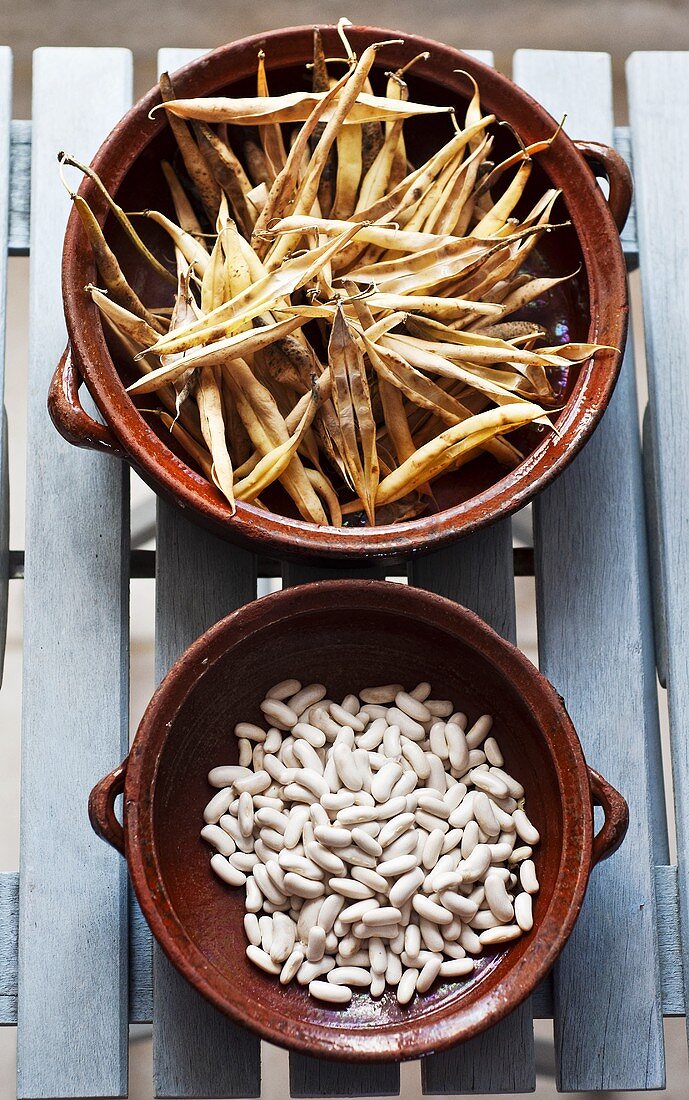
(72, 1038)
(140, 965)
(9, 929)
(316, 1076)
(596, 645)
(477, 572)
(197, 1052)
(622, 141)
(659, 89)
(5, 122)
(20, 186)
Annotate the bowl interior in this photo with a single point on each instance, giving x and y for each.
(346, 647)
(563, 312)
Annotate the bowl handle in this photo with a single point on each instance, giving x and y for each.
(102, 806)
(616, 821)
(607, 162)
(68, 414)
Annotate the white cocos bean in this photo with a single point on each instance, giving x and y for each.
(377, 841)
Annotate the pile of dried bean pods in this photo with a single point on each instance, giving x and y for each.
(380, 843)
(340, 319)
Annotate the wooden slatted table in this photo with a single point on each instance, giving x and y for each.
(612, 576)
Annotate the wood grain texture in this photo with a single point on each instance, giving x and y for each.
(477, 572)
(5, 117)
(622, 140)
(316, 1076)
(197, 1051)
(140, 965)
(72, 1038)
(20, 187)
(9, 927)
(658, 86)
(670, 941)
(596, 645)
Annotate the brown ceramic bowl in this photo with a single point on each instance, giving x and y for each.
(347, 634)
(592, 306)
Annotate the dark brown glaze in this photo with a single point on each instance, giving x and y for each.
(347, 634)
(592, 306)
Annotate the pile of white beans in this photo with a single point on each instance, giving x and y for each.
(379, 841)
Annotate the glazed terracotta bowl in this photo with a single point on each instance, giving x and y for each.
(592, 306)
(348, 635)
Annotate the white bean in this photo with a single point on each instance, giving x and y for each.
(405, 887)
(479, 731)
(525, 830)
(225, 871)
(350, 975)
(439, 708)
(279, 714)
(306, 697)
(315, 948)
(483, 812)
(367, 843)
(283, 690)
(438, 741)
(412, 707)
(498, 898)
(225, 776)
(295, 826)
(253, 784)
(413, 752)
(346, 767)
(303, 887)
(375, 841)
(245, 814)
(219, 839)
(523, 911)
(308, 972)
(457, 968)
(407, 726)
(391, 868)
(392, 742)
(429, 973)
(432, 848)
(292, 965)
(218, 805)
(284, 935)
(262, 959)
(430, 910)
(334, 994)
(346, 720)
(503, 933)
(519, 854)
(527, 876)
(383, 694)
(407, 985)
(385, 780)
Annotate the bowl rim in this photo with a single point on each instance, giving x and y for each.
(449, 1024)
(604, 270)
